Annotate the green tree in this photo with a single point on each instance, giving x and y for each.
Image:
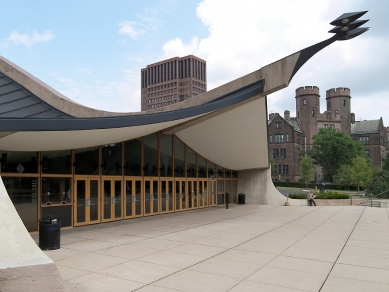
(378, 185)
(332, 148)
(360, 171)
(343, 175)
(386, 162)
(272, 163)
(306, 169)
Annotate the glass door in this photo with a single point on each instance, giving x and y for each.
(151, 196)
(133, 191)
(181, 196)
(167, 201)
(212, 193)
(192, 194)
(203, 193)
(87, 201)
(112, 199)
(220, 192)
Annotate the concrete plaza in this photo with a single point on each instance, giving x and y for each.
(245, 248)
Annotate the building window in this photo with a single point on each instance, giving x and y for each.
(271, 139)
(344, 102)
(368, 153)
(313, 113)
(336, 112)
(287, 137)
(285, 169)
(325, 126)
(278, 125)
(279, 169)
(304, 101)
(283, 153)
(332, 126)
(365, 140)
(279, 138)
(275, 153)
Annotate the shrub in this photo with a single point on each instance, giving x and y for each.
(326, 196)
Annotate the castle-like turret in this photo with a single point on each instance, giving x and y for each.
(339, 103)
(307, 110)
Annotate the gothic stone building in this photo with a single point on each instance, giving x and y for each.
(287, 136)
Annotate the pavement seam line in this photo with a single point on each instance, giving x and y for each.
(356, 223)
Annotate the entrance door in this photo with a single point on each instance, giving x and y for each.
(151, 191)
(134, 203)
(87, 201)
(181, 196)
(192, 194)
(203, 193)
(167, 200)
(220, 192)
(112, 199)
(212, 193)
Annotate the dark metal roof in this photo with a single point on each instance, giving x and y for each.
(365, 127)
(12, 124)
(17, 102)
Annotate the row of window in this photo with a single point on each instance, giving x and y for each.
(279, 138)
(162, 104)
(279, 153)
(172, 70)
(198, 84)
(159, 99)
(280, 169)
(365, 140)
(326, 126)
(155, 88)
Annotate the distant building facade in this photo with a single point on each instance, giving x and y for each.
(171, 81)
(295, 134)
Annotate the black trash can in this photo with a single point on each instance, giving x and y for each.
(49, 233)
(241, 198)
(322, 188)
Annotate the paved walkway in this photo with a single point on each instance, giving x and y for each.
(246, 248)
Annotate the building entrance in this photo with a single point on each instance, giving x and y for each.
(192, 194)
(134, 202)
(87, 201)
(112, 199)
(167, 198)
(212, 193)
(203, 193)
(181, 196)
(151, 196)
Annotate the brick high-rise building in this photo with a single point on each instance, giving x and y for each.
(172, 81)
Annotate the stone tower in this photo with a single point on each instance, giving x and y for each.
(339, 104)
(307, 110)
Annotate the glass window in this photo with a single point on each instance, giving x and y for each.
(365, 140)
(211, 169)
(111, 163)
(191, 162)
(313, 113)
(304, 101)
(55, 191)
(133, 157)
(86, 161)
(275, 153)
(150, 150)
(287, 137)
(228, 173)
(179, 158)
(166, 155)
(56, 162)
(271, 139)
(19, 162)
(23, 194)
(202, 166)
(220, 171)
(278, 125)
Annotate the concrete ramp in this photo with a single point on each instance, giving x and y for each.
(23, 266)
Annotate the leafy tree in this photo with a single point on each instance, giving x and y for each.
(360, 171)
(272, 163)
(332, 148)
(378, 185)
(306, 169)
(386, 162)
(343, 175)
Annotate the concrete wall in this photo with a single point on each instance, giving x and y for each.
(259, 188)
(17, 246)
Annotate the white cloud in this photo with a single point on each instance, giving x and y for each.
(30, 39)
(87, 71)
(248, 34)
(128, 28)
(116, 96)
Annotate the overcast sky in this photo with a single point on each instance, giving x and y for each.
(92, 50)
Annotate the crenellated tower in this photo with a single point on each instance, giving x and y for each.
(307, 110)
(339, 105)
